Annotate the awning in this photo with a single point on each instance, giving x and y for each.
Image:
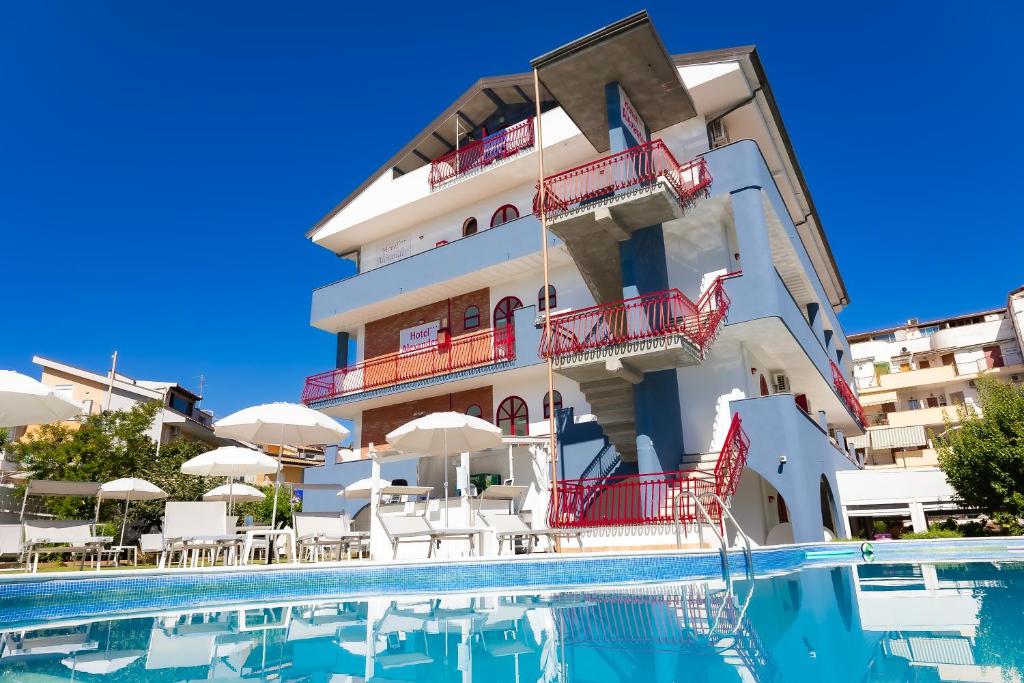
(43, 487)
(874, 398)
(862, 441)
(898, 437)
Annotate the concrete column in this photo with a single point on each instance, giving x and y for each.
(917, 518)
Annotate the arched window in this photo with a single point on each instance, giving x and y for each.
(513, 417)
(558, 404)
(471, 318)
(503, 215)
(469, 227)
(504, 310)
(474, 411)
(552, 294)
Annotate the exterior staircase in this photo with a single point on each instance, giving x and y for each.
(611, 402)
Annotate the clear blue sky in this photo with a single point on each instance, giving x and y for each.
(160, 162)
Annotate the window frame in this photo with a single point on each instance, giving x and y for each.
(503, 211)
(479, 410)
(467, 222)
(552, 295)
(505, 319)
(466, 318)
(558, 403)
(513, 415)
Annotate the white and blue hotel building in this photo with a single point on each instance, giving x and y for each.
(694, 337)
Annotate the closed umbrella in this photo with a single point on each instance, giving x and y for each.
(129, 489)
(25, 401)
(231, 462)
(280, 423)
(443, 434)
(235, 492)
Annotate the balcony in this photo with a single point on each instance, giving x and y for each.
(495, 347)
(479, 155)
(473, 262)
(594, 206)
(923, 416)
(647, 333)
(918, 378)
(847, 396)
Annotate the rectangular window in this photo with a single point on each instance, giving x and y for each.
(913, 404)
(180, 404)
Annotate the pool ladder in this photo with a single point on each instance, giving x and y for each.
(702, 518)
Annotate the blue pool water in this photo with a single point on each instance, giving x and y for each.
(866, 622)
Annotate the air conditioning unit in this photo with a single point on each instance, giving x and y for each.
(717, 134)
(781, 383)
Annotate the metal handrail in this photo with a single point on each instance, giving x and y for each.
(723, 547)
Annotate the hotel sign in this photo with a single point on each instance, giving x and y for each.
(419, 337)
(393, 251)
(630, 118)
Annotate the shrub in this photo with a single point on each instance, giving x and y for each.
(933, 533)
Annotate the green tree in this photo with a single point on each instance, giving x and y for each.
(108, 446)
(983, 457)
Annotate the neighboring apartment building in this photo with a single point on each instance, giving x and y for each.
(94, 391)
(693, 290)
(912, 379)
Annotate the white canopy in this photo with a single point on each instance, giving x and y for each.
(239, 493)
(25, 401)
(444, 434)
(131, 488)
(281, 423)
(230, 461)
(362, 488)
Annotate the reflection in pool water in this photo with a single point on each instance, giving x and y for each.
(868, 623)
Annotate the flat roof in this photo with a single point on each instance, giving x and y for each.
(864, 336)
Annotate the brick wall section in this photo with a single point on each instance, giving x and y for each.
(382, 336)
(380, 421)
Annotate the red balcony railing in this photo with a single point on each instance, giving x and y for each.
(644, 317)
(480, 153)
(630, 499)
(633, 169)
(468, 351)
(731, 460)
(636, 499)
(847, 395)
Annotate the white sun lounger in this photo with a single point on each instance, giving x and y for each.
(318, 532)
(64, 537)
(198, 528)
(415, 527)
(508, 526)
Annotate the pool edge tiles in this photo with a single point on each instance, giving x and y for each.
(34, 598)
(28, 601)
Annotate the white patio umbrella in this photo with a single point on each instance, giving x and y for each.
(25, 401)
(443, 434)
(236, 493)
(231, 462)
(280, 423)
(361, 489)
(102, 663)
(129, 489)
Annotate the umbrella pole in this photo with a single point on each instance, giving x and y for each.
(277, 479)
(124, 522)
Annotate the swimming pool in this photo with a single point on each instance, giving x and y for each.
(918, 612)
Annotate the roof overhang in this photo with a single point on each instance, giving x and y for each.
(629, 52)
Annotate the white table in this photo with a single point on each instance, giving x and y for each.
(131, 551)
(270, 535)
